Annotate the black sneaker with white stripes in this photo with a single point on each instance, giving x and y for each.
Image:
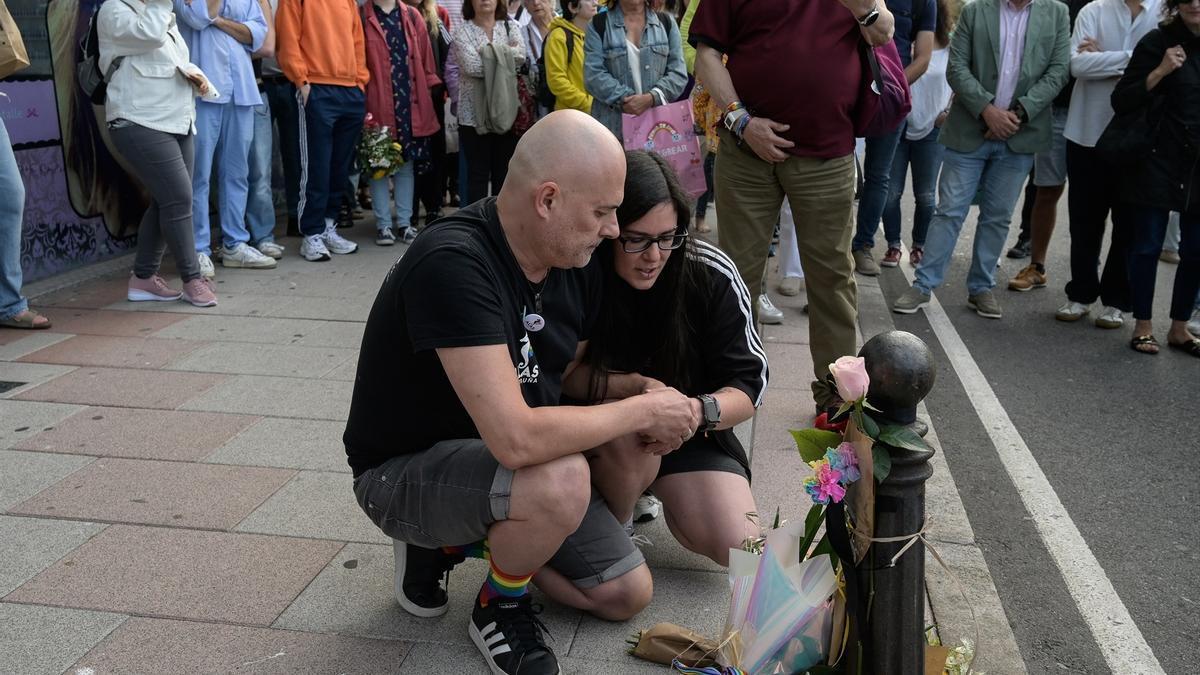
(509, 635)
(422, 577)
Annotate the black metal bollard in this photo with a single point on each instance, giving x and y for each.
(902, 372)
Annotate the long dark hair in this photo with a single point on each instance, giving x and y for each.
(943, 25)
(1170, 13)
(647, 331)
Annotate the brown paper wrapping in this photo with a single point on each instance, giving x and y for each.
(666, 642)
(13, 56)
(860, 495)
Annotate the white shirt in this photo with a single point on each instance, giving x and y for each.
(634, 54)
(1112, 25)
(466, 43)
(930, 96)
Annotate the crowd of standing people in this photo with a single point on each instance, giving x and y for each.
(549, 391)
(1100, 94)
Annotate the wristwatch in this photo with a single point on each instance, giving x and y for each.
(731, 118)
(712, 412)
(870, 17)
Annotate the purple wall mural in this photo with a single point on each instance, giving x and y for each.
(81, 205)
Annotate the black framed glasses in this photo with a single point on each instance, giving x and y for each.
(667, 242)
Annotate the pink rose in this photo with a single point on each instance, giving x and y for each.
(850, 375)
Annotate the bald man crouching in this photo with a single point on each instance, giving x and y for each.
(456, 437)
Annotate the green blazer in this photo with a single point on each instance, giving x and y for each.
(974, 69)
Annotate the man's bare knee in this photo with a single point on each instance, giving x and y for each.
(624, 597)
(558, 490)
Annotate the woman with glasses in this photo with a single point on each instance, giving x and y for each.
(676, 312)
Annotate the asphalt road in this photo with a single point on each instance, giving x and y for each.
(1117, 436)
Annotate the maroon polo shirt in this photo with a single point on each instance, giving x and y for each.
(792, 61)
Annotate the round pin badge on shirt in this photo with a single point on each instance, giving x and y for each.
(534, 322)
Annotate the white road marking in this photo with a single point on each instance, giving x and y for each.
(1117, 636)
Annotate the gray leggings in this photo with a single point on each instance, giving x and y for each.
(163, 162)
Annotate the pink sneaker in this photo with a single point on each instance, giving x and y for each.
(199, 292)
(153, 289)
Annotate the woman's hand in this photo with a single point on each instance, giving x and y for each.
(199, 82)
(637, 104)
(1172, 60)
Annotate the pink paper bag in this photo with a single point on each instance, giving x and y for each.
(670, 131)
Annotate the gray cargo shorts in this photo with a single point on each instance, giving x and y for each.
(452, 493)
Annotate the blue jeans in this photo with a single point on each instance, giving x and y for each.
(997, 175)
(877, 173)
(402, 182)
(925, 156)
(260, 207)
(12, 208)
(1149, 227)
(230, 128)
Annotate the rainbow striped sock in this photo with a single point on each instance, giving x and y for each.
(502, 585)
(478, 549)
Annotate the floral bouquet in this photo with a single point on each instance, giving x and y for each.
(378, 152)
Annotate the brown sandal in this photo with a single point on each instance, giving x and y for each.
(1190, 347)
(1140, 342)
(26, 320)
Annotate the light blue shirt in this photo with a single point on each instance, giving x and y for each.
(223, 59)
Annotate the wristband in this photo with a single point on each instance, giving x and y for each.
(736, 105)
(740, 127)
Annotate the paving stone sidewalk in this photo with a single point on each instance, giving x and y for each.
(174, 496)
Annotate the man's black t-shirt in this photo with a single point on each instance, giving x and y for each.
(458, 286)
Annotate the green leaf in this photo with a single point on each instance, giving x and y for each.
(812, 523)
(825, 548)
(842, 410)
(882, 463)
(902, 437)
(869, 426)
(868, 406)
(812, 443)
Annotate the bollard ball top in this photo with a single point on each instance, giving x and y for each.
(902, 371)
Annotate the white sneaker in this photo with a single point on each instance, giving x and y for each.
(206, 266)
(270, 249)
(768, 313)
(648, 508)
(313, 248)
(336, 243)
(409, 235)
(1193, 326)
(1110, 317)
(244, 255)
(791, 286)
(1072, 311)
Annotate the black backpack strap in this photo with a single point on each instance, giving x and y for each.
(600, 24)
(570, 45)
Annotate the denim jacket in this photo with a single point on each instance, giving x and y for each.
(606, 65)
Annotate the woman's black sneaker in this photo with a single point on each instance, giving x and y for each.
(422, 575)
(509, 635)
